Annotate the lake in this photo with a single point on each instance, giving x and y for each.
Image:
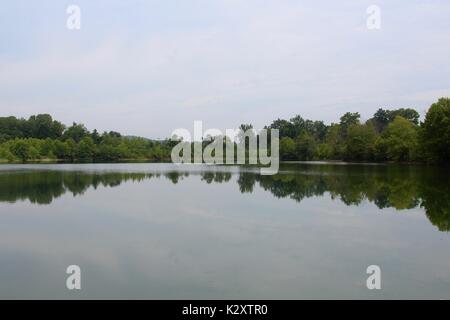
(160, 231)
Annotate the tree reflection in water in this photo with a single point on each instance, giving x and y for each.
(387, 186)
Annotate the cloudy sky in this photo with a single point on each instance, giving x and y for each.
(149, 67)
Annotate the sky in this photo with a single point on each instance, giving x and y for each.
(149, 67)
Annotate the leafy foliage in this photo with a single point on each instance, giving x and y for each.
(41, 137)
(390, 135)
(435, 131)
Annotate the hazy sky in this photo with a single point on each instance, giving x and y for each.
(149, 67)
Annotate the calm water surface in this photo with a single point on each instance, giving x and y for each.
(157, 231)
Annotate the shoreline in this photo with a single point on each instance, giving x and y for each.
(318, 162)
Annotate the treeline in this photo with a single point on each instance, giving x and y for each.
(40, 137)
(390, 135)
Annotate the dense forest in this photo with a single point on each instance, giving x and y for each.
(390, 135)
(42, 138)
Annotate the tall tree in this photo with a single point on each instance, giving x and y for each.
(401, 140)
(435, 131)
(76, 132)
(286, 128)
(347, 120)
(305, 146)
(360, 142)
(287, 149)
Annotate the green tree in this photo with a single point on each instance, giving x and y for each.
(43, 126)
(86, 148)
(401, 140)
(305, 146)
(76, 132)
(287, 149)
(11, 128)
(349, 119)
(5, 153)
(334, 142)
(71, 149)
(61, 150)
(286, 128)
(380, 149)
(323, 151)
(47, 148)
(20, 149)
(380, 119)
(406, 113)
(360, 143)
(96, 136)
(435, 131)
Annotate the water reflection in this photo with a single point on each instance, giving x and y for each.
(399, 187)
